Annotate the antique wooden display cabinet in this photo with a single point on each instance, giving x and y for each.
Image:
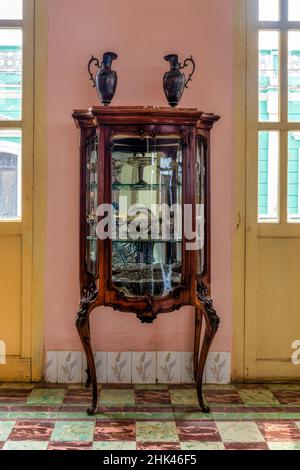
(145, 220)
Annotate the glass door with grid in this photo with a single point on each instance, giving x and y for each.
(16, 183)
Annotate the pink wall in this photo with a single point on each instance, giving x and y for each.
(141, 32)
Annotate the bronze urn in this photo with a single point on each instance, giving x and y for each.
(175, 81)
(106, 79)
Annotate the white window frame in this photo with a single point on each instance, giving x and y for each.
(283, 126)
(26, 123)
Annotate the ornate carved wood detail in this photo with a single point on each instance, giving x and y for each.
(87, 304)
(147, 316)
(207, 120)
(205, 309)
(147, 307)
(208, 305)
(158, 307)
(143, 114)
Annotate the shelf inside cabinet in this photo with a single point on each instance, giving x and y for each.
(135, 187)
(140, 187)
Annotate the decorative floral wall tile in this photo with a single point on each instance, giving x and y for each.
(218, 368)
(83, 367)
(50, 367)
(187, 368)
(168, 367)
(101, 366)
(100, 363)
(119, 367)
(135, 367)
(144, 367)
(69, 367)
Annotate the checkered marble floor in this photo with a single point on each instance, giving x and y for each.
(149, 417)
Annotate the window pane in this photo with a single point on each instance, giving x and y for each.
(268, 170)
(294, 10)
(269, 76)
(294, 76)
(11, 9)
(10, 174)
(268, 10)
(294, 177)
(10, 74)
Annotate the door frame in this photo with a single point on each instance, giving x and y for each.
(239, 209)
(246, 229)
(40, 189)
(31, 230)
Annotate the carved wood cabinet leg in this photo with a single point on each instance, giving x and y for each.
(198, 328)
(212, 322)
(83, 328)
(88, 381)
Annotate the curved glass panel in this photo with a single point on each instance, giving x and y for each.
(91, 204)
(147, 214)
(201, 158)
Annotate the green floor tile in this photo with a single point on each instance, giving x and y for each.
(73, 431)
(42, 396)
(246, 432)
(25, 445)
(144, 416)
(202, 446)
(258, 397)
(192, 416)
(117, 397)
(251, 416)
(218, 387)
(154, 431)
(284, 445)
(284, 387)
(5, 429)
(184, 397)
(108, 445)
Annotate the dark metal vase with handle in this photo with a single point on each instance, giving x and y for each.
(175, 81)
(106, 79)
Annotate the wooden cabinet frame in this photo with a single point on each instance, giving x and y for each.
(97, 289)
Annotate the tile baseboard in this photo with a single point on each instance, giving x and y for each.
(168, 367)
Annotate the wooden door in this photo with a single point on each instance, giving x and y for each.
(272, 294)
(21, 266)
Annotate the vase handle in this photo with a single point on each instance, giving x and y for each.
(185, 64)
(96, 61)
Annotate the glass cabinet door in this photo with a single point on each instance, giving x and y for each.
(91, 204)
(201, 178)
(147, 204)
